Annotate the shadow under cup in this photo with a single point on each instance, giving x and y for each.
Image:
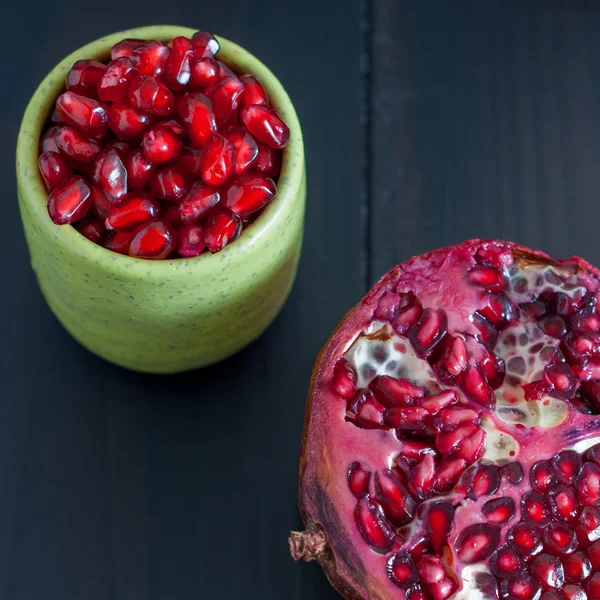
(172, 315)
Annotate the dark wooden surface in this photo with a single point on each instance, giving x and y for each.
(426, 123)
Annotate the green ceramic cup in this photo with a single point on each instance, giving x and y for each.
(164, 316)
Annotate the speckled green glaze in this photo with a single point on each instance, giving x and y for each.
(164, 316)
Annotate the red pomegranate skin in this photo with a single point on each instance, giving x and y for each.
(331, 444)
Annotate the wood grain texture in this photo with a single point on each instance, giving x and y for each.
(115, 485)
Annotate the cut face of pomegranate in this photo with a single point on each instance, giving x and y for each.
(452, 448)
(157, 134)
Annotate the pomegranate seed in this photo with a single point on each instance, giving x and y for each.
(405, 417)
(535, 509)
(254, 93)
(70, 203)
(223, 227)
(398, 505)
(149, 58)
(402, 570)
(483, 480)
(110, 176)
(439, 521)
(449, 418)
(407, 317)
(586, 320)
(189, 159)
(204, 72)
(217, 161)
(442, 589)
(421, 477)
(588, 527)
(456, 361)
(553, 325)
(522, 588)
(431, 569)
(225, 96)
(500, 310)
(268, 161)
(225, 70)
(150, 95)
(447, 442)
(566, 465)
(373, 526)
(172, 183)
(155, 240)
(115, 80)
(488, 334)
(85, 76)
(577, 567)
(494, 256)
(344, 379)
(564, 503)
(190, 240)
(358, 480)
(548, 571)
(365, 411)
(266, 125)
(139, 170)
(594, 555)
(177, 67)
(570, 592)
(386, 306)
(125, 48)
(121, 147)
(204, 44)
(55, 172)
(448, 472)
(127, 122)
(85, 114)
(587, 485)
(175, 126)
(593, 454)
(48, 141)
(248, 193)
(118, 241)
(197, 204)
(171, 214)
(414, 451)
(526, 539)
(75, 147)
(488, 277)
(161, 145)
(433, 404)
(499, 511)
(428, 331)
(506, 563)
(246, 149)
(476, 385)
(395, 392)
(137, 209)
(198, 118)
(92, 229)
(472, 448)
(593, 587)
(542, 476)
(476, 543)
(559, 539)
(101, 205)
(535, 309)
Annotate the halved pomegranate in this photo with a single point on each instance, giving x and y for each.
(452, 438)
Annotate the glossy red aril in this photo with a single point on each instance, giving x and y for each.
(217, 161)
(85, 114)
(85, 76)
(115, 81)
(150, 95)
(149, 58)
(55, 171)
(197, 204)
(137, 208)
(110, 176)
(225, 97)
(156, 139)
(171, 183)
(248, 193)
(139, 170)
(154, 240)
(161, 145)
(222, 228)
(459, 382)
(70, 203)
(204, 72)
(190, 240)
(266, 125)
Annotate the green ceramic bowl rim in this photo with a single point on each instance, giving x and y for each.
(290, 179)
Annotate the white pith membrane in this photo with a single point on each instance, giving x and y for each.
(512, 427)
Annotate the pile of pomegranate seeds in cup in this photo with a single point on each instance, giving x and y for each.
(165, 151)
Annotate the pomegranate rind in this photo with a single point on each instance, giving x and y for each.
(327, 441)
